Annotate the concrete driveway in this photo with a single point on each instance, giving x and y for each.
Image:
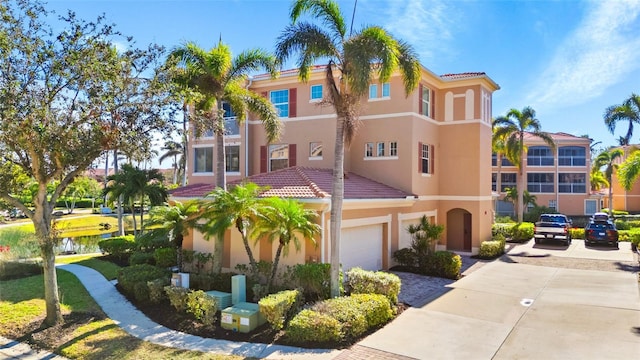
(511, 310)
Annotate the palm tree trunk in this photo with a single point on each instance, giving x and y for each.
(276, 261)
(185, 143)
(119, 201)
(520, 186)
(610, 198)
(133, 216)
(221, 178)
(252, 260)
(337, 196)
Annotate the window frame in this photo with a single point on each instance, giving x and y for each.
(386, 88)
(227, 161)
(572, 159)
(271, 148)
(426, 104)
(373, 90)
(393, 148)
(425, 155)
(582, 186)
(505, 183)
(368, 150)
(280, 105)
(380, 149)
(206, 166)
(540, 184)
(539, 159)
(312, 148)
(311, 92)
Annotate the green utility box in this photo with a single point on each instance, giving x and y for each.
(243, 317)
(223, 299)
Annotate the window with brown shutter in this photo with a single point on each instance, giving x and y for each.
(292, 154)
(263, 159)
(433, 104)
(432, 157)
(420, 99)
(419, 157)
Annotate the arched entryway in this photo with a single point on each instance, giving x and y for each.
(459, 230)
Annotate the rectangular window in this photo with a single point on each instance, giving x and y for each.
(590, 206)
(368, 150)
(572, 156)
(231, 126)
(553, 204)
(426, 101)
(426, 159)
(507, 181)
(494, 181)
(386, 90)
(393, 148)
(380, 149)
(373, 91)
(280, 100)
(232, 158)
(574, 183)
(316, 92)
(203, 160)
(540, 182)
(278, 157)
(539, 156)
(315, 150)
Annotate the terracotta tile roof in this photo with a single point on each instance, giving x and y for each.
(288, 72)
(463, 75)
(558, 136)
(304, 183)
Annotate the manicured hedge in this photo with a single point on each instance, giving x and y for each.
(491, 249)
(279, 307)
(374, 282)
(120, 246)
(133, 280)
(522, 231)
(313, 326)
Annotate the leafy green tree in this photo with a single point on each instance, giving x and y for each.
(53, 123)
(628, 111)
(222, 209)
(354, 59)
(608, 160)
(498, 147)
(136, 185)
(285, 221)
(597, 180)
(512, 128)
(215, 77)
(81, 187)
(174, 221)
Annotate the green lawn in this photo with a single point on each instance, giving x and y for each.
(108, 269)
(22, 302)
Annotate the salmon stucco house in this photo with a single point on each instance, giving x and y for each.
(425, 154)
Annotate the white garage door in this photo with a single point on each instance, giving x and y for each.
(361, 246)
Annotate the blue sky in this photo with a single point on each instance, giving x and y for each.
(569, 60)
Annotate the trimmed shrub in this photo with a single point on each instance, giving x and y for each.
(119, 247)
(522, 231)
(370, 282)
(156, 290)
(405, 257)
(314, 280)
(279, 307)
(15, 270)
(138, 258)
(622, 225)
(444, 264)
(166, 257)
(152, 240)
(377, 308)
(351, 316)
(312, 326)
(207, 282)
(506, 229)
(577, 233)
(133, 280)
(177, 297)
(504, 219)
(202, 306)
(491, 249)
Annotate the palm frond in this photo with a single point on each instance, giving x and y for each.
(326, 10)
(252, 60)
(409, 66)
(268, 115)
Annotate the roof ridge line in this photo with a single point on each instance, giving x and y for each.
(312, 185)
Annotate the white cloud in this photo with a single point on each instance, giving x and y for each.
(425, 24)
(596, 55)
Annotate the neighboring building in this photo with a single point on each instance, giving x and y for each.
(622, 199)
(559, 179)
(423, 154)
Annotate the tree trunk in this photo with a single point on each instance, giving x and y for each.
(274, 270)
(185, 143)
(133, 216)
(337, 195)
(42, 224)
(217, 254)
(610, 198)
(247, 248)
(520, 186)
(221, 178)
(119, 200)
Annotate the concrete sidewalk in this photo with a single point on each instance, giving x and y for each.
(506, 310)
(130, 319)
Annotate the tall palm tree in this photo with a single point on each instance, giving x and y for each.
(511, 194)
(609, 160)
(597, 179)
(215, 77)
(498, 146)
(284, 220)
(222, 209)
(175, 221)
(353, 61)
(135, 184)
(629, 111)
(512, 128)
(173, 149)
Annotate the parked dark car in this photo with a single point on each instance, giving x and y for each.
(601, 232)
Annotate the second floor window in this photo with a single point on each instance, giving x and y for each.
(426, 159)
(232, 158)
(373, 91)
(575, 183)
(426, 101)
(203, 160)
(280, 100)
(393, 148)
(278, 157)
(380, 149)
(572, 156)
(507, 181)
(368, 150)
(505, 161)
(315, 150)
(316, 92)
(494, 181)
(386, 90)
(539, 156)
(540, 182)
